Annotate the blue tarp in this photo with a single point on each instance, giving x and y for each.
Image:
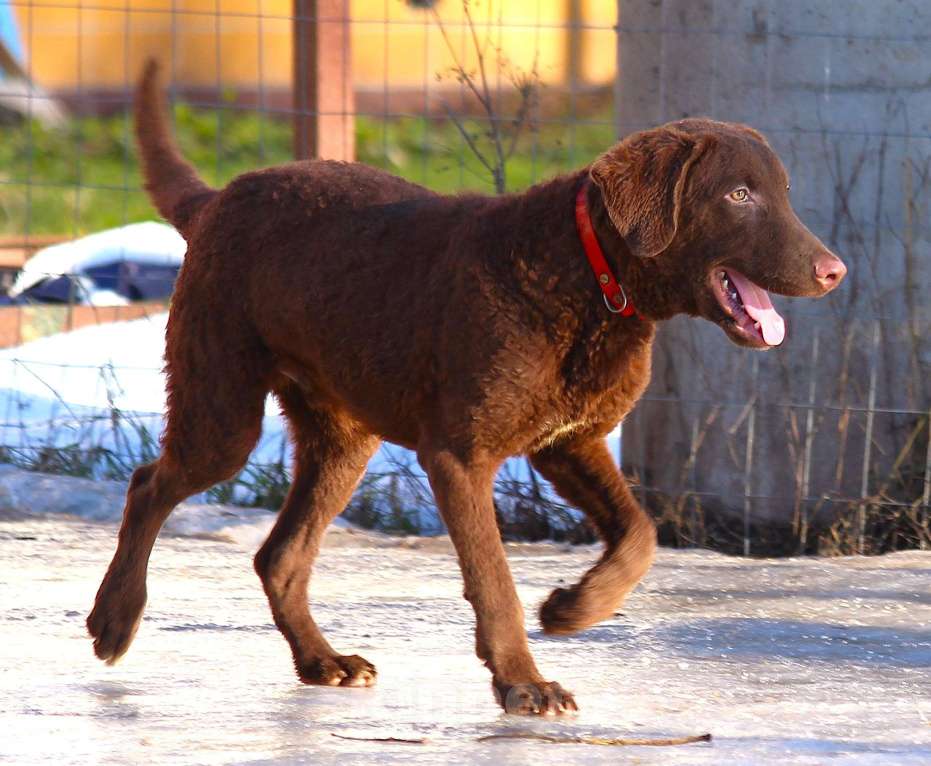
(9, 33)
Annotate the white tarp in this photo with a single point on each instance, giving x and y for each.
(148, 242)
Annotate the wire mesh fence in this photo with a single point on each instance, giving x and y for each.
(842, 466)
(822, 446)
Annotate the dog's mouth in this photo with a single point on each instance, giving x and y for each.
(750, 318)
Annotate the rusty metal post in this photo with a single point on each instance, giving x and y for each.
(324, 102)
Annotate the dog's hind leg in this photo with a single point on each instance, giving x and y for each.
(216, 399)
(330, 455)
(584, 474)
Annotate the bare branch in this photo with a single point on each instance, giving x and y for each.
(468, 139)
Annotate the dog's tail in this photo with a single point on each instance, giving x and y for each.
(171, 181)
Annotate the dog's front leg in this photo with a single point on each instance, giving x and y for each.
(583, 472)
(463, 491)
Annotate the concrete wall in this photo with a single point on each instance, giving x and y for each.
(842, 88)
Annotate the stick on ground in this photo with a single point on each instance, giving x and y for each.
(600, 740)
(391, 740)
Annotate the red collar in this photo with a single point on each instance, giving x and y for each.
(614, 296)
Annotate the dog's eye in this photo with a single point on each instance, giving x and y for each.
(739, 195)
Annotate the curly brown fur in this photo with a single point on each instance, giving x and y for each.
(176, 189)
(467, 328)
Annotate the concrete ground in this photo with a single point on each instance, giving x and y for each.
(791, 661)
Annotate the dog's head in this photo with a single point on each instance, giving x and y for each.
(704, 208)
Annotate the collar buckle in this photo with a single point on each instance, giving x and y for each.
(615, 297)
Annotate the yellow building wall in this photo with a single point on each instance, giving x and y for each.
(247, 43)
(598, 45)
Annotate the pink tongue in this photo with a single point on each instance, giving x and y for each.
(760, 308)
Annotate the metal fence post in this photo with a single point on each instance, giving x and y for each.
(868, 442)
(809, 442)
(926, 493)
(748, 458)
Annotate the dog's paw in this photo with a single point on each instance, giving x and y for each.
(546, 698)
(338, 670)
(114, 620)
(564, 612)
(569, 610)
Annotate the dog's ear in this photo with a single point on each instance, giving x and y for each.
(642, 180)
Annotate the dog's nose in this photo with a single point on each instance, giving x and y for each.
(829, 271)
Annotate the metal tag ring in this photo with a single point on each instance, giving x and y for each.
(611, 307)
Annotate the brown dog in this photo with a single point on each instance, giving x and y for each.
(467, 328)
